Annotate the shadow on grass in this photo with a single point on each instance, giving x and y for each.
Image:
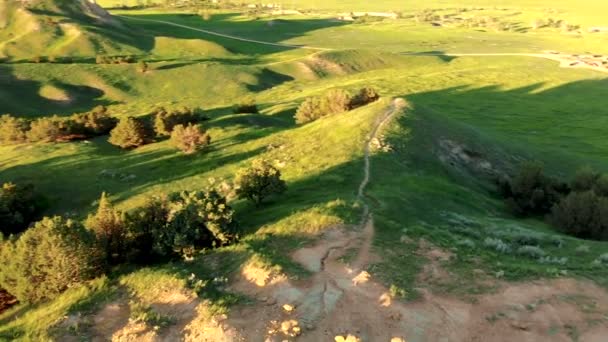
(23, 97)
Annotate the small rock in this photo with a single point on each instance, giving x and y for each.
(288, 307)
(397, 339)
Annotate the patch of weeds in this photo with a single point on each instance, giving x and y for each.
(602, 260)
(467, 243)
(583, 249)
(526, 239)
(572, 332)
(141, 313)
(533, 252)
(498, 245)
(495, 317)
(553, 260)
(557, 241)
(397, 292)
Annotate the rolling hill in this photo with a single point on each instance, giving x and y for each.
(62, 28)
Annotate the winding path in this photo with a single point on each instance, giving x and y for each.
(564, 60)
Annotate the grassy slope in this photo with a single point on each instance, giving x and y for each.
(496, 106)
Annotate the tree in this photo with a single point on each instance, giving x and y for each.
(46, 130)
(308, 111)
(334, 101)
(582, 214)
(532, 192)
(129, 133)
(585, 179)
(146, 226)
(365, 96)
(189, 139)
(109, 229)
(49, 258)
(12, 130)
(198, 219)
(19, 206)
(166, 120)
(96, 122)
(259, 181)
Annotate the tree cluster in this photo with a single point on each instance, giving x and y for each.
(56, 129)
(578, 207)
(334, 101)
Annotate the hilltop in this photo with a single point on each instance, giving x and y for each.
(52, 28)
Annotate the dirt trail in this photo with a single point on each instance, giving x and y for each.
(217, 34)
(565, 60)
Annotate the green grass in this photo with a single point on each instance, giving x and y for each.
(505, 109)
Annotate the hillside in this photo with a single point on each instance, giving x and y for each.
(62, 28)
(417, 179)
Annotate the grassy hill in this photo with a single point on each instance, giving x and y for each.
(468, 119)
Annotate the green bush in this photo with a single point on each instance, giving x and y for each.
(110, 231)
(584, 179)
(179, 225)
(334, 101)
(96, 122)
(365, 96)
(12, 130)
(531, 192)
(130, 133)
(582, 214)
(19, 206)
(47, 259)
(165, 121)
(197, 220)
(189, 139)
(49, 129)
(146, 226)
(309, 110)
(259, 181)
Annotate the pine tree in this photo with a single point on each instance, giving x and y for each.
(109, 228)
(129, 133)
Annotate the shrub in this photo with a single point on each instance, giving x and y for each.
(497, 244)
(48, 259)
(309, 110)
(96, 122)
(165, 121)
(602, 259)
(246, 107)
(259, 181)
(109, 229)
(533, 252)
(582, 214)
(467, 243)
(583, 249)
(585, 179)
(179, 225)
(46, 130)
(365, 96)
(12, 130)
(189, 139)
(129, 133)
(197, 220)
(334, 101)
(531, 192)
(19, 206)
(146, 227)
(553, 260)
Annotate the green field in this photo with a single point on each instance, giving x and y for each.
(502, 109)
